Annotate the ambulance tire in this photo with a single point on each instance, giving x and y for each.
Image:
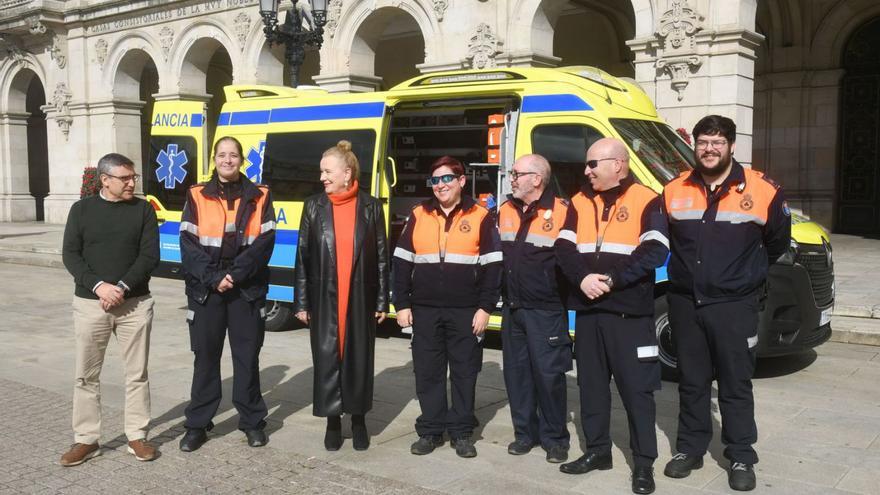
(668, 355)
(279, 316)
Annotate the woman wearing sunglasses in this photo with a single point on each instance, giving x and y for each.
(447, 278)
(342, 293)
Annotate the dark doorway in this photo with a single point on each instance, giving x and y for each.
(38, 146)
(858, 199)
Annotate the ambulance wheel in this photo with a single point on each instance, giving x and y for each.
(668, 355)
(279, 316)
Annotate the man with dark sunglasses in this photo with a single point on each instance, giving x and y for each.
(613, 238)
(447, 276)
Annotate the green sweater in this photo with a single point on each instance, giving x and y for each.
(111, 242)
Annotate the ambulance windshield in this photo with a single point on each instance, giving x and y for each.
(657, 146)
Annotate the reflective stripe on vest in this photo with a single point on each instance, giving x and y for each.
(544, 228)
(621, 233)
(215, 219)
(460, 245)
(686, 200)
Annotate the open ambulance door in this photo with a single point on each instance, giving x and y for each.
(177, 159)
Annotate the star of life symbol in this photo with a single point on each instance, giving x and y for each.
(254, 171)
(171, 164)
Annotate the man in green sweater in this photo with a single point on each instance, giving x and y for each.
(111, 245)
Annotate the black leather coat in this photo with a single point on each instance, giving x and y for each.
(346, 386)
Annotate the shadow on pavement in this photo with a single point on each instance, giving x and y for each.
(784, 365)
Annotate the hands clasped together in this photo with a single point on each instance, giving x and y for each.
(595, 285)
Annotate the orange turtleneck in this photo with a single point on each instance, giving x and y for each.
(344, 217)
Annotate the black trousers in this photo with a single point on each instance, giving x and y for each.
(208, 324)
(626, 347)
(536, 349)
(443, 339)
(716, 340)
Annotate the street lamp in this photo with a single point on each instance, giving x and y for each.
(291, 34)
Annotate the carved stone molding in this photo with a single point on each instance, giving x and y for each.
(59, 108)
(166, 39)
(334, 10)
(35, 26)
(58, 50)
(678, 25)
(101, 52)
(679, 70)
(440, 8)
(677, 31)
(242, 26)
(9, 48)
(483, 47)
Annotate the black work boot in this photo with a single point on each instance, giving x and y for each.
(193, 439)
(643, 480)
(587, 463)
(681, 465)
(360, 438)
(741, 477)
(426, 444)
(464, 447)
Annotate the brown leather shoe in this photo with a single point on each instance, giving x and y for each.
(141, 450)
(80, 453)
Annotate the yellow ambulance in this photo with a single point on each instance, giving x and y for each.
(485, 118)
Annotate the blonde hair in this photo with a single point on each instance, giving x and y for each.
(342, 150)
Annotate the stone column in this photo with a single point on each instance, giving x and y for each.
(16, 202)
(692, 68)
(349, 83)
(116, 128)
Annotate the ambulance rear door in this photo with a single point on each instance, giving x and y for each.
(176, 161)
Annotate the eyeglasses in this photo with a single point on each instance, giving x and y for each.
(126, 178)
(516, 175)
(702, 144)
(595, 163)
(446, 179)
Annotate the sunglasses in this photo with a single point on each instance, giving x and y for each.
(446, 179)
(595, 163)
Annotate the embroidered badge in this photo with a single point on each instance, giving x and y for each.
(465, 226)
(746, 203)
(623, 214)
(548, 225)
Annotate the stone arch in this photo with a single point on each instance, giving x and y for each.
(19, 146)
(192, 51)
(836, 28)
(534, 16)
(9, 72)
(266, 63)
(126, 60)
(349, 38)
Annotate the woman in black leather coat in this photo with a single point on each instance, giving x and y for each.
(343, 360)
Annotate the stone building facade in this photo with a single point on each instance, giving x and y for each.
(78, 78)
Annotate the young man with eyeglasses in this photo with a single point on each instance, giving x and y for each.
(727, 224)
(613, 238)
(447, 277)
(534, 330)
(111, 245)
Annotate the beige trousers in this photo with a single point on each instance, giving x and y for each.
(130, 322)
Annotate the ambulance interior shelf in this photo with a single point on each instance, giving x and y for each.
(420, 136)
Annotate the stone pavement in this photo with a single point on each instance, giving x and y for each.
(818, 417)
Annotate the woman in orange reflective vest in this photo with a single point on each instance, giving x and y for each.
(447, 280)
(342, 293)
(227, 234)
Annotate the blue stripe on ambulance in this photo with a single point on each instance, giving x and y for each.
(302, 114)
(564, 102)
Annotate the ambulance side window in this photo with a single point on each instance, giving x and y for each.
(292, 160)
(565, 147)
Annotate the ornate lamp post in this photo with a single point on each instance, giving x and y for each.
(292, 34)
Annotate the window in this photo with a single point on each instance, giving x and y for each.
(292, 161)
(657, 146)
(173, 168)
(565, 147)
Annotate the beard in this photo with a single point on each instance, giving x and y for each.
(724, 163)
